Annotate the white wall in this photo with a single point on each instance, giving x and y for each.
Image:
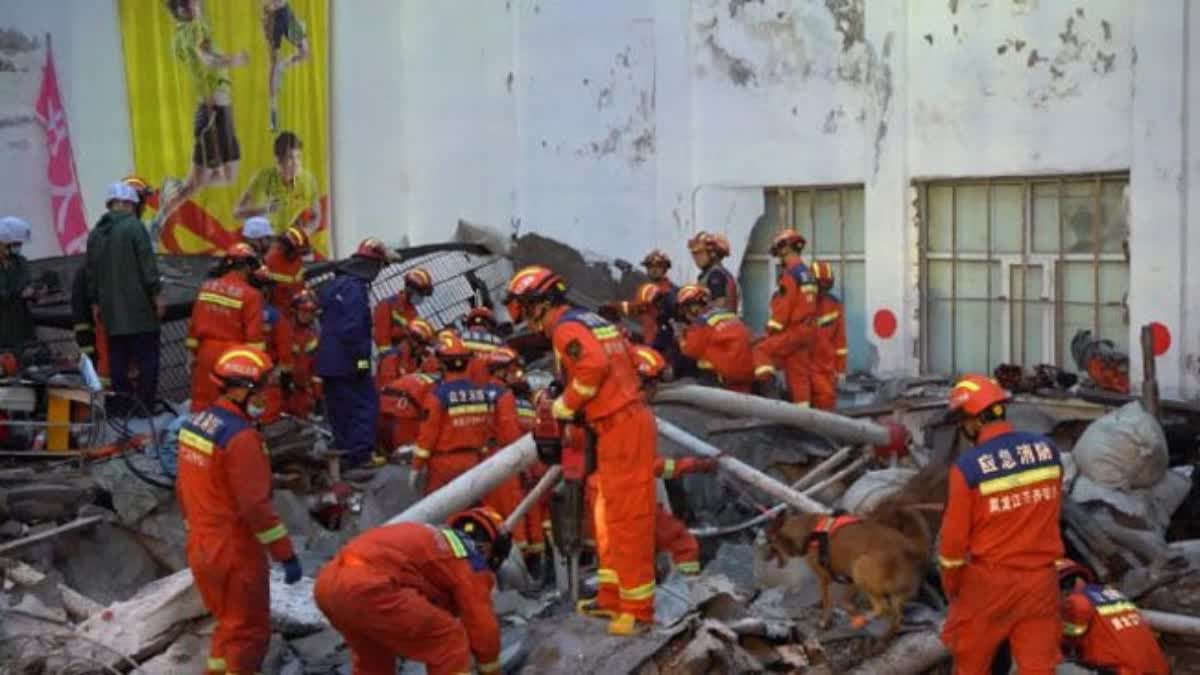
(623, 125)
(91, 75)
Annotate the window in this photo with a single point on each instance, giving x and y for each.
(1011, 269)
(831, 219)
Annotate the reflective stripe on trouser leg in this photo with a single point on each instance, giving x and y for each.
(626, 446)
(215, 665)
(607, 595)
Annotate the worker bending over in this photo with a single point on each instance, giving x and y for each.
(1000, 538)
(1102, 629)
(480, 335)
(418, 285)
(302, 387)
(653, 308)
(224, 489)
(344, 352)
(792, 326)
(228, 312)
(398, 358)
(829, 343)
(418, 592)
(285, 263)
(719, 341)
(601, 389)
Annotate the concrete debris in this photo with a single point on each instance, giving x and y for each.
(320, 650)
(713, 648)
(108, 564)
(187, 654)
(387, 494)
(293, 612)
(865, 493)
(145, 624)
(78, 606)
(49, 501)
(1124, 449)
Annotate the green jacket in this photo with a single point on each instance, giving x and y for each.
(122, 274)
(16, 321)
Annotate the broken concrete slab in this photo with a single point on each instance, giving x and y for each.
(711, 648)
(321, 650)
(133, 498)
(78, 606)
(868, 491)
(48, 501)
(293, 612)
(385, 495)
(574, 643)
(187, 654)
(144, 624)
(164, 536)
(736, 563)
(108, 564)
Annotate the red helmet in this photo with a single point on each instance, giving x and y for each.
(421, 330)
(822, 272)
(648, 294)
(1069, 570)
(241, 252)
(656, 257)
(297, 238)
(242, 366)
(649, 363)
(373, 249)
(530, 284)
(480, 315)
(305, 301)
(483, 524)
(974, 394)
(788, 238)
(143, 189)
(692, 294)
(418, 279)
(451, 346)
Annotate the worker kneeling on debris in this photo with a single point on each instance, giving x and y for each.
(419, 592)
(1103, 629)
(1000, 537)
(600, 387)
(224, 489)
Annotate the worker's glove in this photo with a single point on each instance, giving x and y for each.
(685, 465)
(416, 479)
(561, 412)
(287, 383)
(292, 570)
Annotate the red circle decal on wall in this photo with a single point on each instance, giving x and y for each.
(1160, 338)
(885, 323)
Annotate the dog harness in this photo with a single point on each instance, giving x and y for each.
(819, 540)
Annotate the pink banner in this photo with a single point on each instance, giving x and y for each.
(66, 204)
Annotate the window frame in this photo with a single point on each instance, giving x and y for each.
(1052, 266)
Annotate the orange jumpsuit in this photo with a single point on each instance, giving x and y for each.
(396, 308)
(286, 272)
(601, 383)
(505, 498)
(305, 384)
(828, 351)
(224, 489)
(720, 342)
(1000, 539)
(414, 591)
(792, 326)
(279, 348)
(400, 411)
(462, 418)
(392, 364)
(481, 343)
(1106, 630)
(228, 312)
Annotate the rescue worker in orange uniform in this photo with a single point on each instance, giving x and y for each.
(302, 389)
(653, 309)
(708, 250)
(462, 420)
(601, 388)
(277, 334)
(829, 344)
(398, 359)
(228, 312)
(719, 342)
(224, 490)
(1103, 629)
(479, 335)
(793, 323)
(418, 285)
(401, 408)
(422, 335)
(419, 592)
(1000, 538)
(285, 264)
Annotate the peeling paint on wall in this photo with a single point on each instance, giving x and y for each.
(634, 138)
(882, 88)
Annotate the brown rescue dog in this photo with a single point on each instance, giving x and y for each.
(883, 564)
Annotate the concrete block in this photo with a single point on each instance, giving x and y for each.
(321, 650)
(188, 654)
(141, 626)
(293, 611)
(107, 563)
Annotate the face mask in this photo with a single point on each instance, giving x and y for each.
(417, 299)
(255, 410)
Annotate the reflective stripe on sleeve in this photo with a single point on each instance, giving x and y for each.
(950, 562)
(272, 534)
(668, 471)
(583, 389)
(218, 299)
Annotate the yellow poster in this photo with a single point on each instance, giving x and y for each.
(228, 107)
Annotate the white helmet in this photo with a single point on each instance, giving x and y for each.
(14, 230)
(257, 228)
(121, 191)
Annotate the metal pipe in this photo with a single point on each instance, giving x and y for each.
(472, 486)
(547, 483)
(1167, 622)
(821, 469)
(846, 471)
(858, 432)
(740, 470)
(912, 653)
